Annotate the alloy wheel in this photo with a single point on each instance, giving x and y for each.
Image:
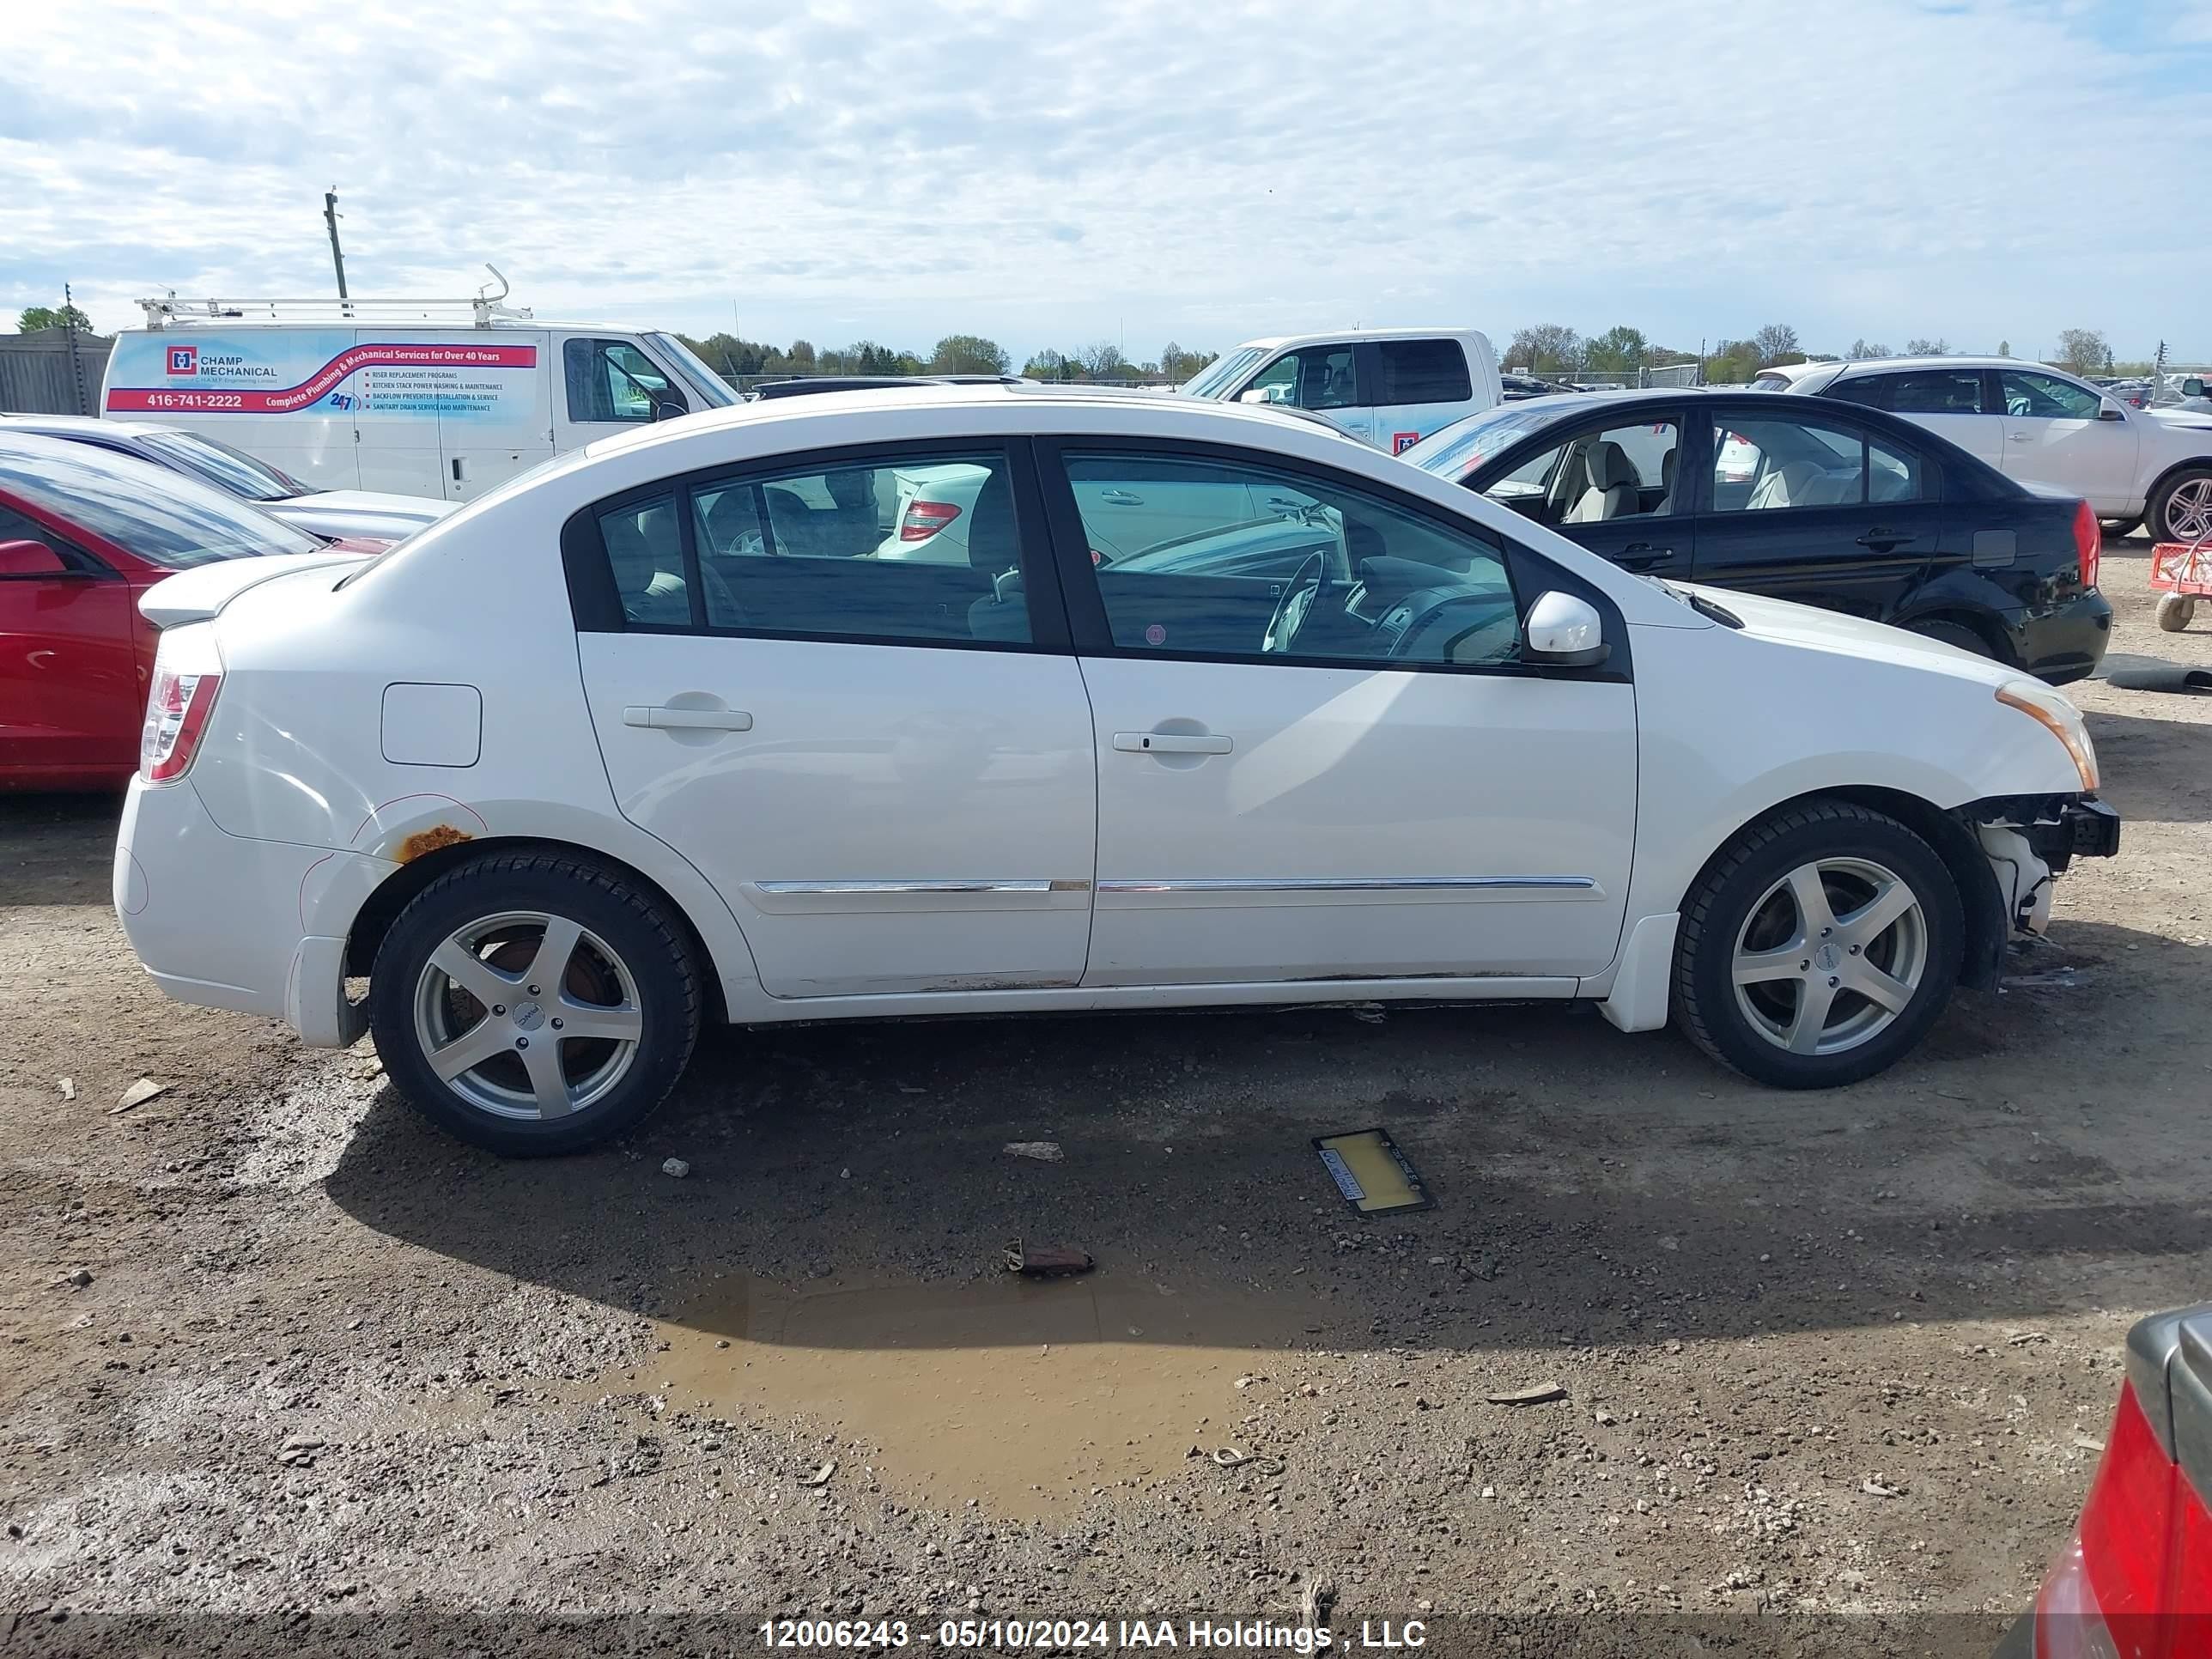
(1830, 955)
(525, 1014)
(2189, 511)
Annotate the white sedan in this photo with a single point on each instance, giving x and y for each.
(654, 734)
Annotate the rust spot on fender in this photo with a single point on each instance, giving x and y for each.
(429, 841)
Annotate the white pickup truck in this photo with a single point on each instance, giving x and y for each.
(1390, 387)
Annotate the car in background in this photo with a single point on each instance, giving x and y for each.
(1386, 386)
(1452, 757)
(802, 386)
(2182, 393)
(1847, 508)
(2136, 1578)
(2043, 425)
(84, 532)
(333, 514)
(1520, 387)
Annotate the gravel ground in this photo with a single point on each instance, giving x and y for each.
(284, 1367)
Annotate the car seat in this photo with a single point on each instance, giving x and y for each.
(1609, 488)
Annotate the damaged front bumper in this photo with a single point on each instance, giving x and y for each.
(2028, 840)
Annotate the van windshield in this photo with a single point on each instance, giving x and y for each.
(713, 390)
(1224, 372)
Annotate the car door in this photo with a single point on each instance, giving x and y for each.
(884, 767)
(1808, 506)
(2059, 433)
(1419, 385)
(1610, 483)
(1388, 795)
(71, 697)
(1325, 379)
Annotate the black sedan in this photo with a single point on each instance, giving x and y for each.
(1851, 509)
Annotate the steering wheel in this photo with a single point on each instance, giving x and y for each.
(1294, 607)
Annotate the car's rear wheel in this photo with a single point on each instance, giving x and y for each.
(2181, 510)
(534, 1004)
(1820, 948)
(1958, 634)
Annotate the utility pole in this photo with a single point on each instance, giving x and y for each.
(77, 360)
(331, 218)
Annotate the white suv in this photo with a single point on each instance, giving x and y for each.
(652, 735)
(1390, 387)
(2043, 426)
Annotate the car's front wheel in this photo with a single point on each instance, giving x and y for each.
(1819, 948)
(533, 1004)
(2181, 510)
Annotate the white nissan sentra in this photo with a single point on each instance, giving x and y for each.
(655, 735)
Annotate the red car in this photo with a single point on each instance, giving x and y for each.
(83, 532)
(2134, 1581)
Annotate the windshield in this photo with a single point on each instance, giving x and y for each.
(169, 519)
(229, 469)
(1456, 450)
(1218, 376)
(713, 390)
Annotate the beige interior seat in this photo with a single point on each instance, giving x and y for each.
(1609, 486)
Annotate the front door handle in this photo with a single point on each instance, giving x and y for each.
(2021, 437)
(1171, 743)
(1642, 556)
(1883, 540)
(661, 717)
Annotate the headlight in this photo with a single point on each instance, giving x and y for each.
(2063, 720)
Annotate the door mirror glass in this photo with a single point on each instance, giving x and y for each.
(2193, 387)
(1564, 631)
(28, 558)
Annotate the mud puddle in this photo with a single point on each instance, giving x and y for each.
(1020, 1395)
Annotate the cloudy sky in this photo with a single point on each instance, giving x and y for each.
(1982, 170)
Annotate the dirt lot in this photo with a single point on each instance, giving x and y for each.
(273, 1347)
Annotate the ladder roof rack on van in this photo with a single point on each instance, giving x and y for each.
(485, 308)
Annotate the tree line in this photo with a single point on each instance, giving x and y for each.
(1554, 351)
(955, 354)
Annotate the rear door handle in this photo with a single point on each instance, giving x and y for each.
(1883, 540)
(2021, 437)
(661, 717)
(1642, 556)
(1171, 743)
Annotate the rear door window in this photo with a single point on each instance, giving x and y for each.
(1937, 391)
(1423, 372)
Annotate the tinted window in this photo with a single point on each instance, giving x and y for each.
(1616, 473)
(1936, 391)
(613, 380)
(1319, 377)
(1424, 372)
(1764, 464)
(2046, 397)
(922, 550)
(219, 464)
(167, 518)
(1870, 390)
(1265, 565)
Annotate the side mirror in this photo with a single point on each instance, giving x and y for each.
(1258, 394)
(30, 558)
(662, 411)
(2109, 411)
(1564, 632)
(2193, 387)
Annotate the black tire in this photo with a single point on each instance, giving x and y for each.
(2119, 529)
(2162, 501)
(1958, 634)
(639, 936)
(1719, 906)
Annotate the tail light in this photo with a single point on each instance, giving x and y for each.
(923, 519)
(176, 710)
(2088, 542)
(2136, 1579)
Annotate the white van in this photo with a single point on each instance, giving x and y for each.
(412, 397)
(1390, 387)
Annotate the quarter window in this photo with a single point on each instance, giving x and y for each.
(922, 550)
(1318, 377)
(1266, 566)
(1424, 372)
(613, 380)
(2046, 397)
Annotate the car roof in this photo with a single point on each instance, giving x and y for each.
(954, 396)
(81, 426)
(1278, 342)
(1953, 360)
